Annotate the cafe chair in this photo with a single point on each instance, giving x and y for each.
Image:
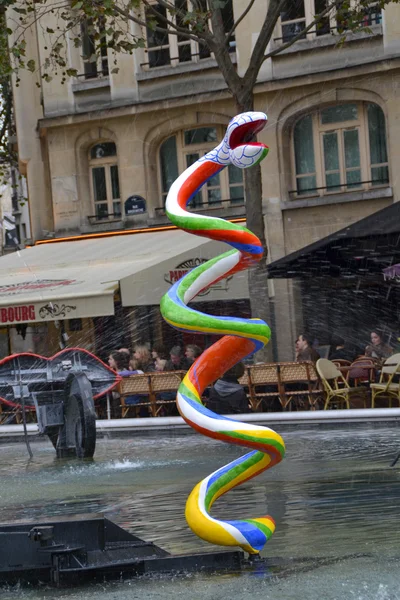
(337, 390)
(343, 366)
(300, 386)
(362, 371)
(164, 386)
(341, 362)
(386, 386)
(136, 385)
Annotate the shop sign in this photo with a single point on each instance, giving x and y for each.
(16, 314)
(135, 205)
(32, 312)
(183, 268)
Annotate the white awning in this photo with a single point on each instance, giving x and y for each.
(76, 279)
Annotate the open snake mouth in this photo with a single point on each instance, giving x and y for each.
(244, 134)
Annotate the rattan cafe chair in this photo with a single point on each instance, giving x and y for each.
(136, 385)
(386, 387)
(337, 390)
(300, 385)
(165, 382)
(264, 386)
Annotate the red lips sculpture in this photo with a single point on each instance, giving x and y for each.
(45, 377)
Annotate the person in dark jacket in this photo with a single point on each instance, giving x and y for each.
(177, 361)
(227, 395)
(339, 350)
(305, 350)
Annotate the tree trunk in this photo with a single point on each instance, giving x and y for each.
(257, 276)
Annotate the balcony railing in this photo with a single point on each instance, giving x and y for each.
(237, 202)
(356, 186)
(373, 16)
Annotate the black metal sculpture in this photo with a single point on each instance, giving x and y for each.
(62, 389)
(87, 547)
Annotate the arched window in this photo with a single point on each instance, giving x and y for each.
(104, 180)
(340, 148)
(183, 149)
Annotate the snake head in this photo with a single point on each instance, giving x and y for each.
(243, 152)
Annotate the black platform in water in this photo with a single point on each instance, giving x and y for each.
(87, 547)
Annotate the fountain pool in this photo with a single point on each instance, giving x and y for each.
(335, 499)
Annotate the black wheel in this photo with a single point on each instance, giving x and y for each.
(79, 431)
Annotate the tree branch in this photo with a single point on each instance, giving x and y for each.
(240, 19)
(178, 30)
(168, 6)
(181, 30)
(6, 116)
(257, 56)
(35, 18)
(218, 45)
(298, 36)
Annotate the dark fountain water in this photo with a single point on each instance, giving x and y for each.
(335, 499)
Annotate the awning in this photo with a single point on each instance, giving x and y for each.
(361, 249)
(76, 279)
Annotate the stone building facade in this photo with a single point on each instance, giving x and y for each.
(100, 151)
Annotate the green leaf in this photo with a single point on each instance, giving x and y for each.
(49, 30)
(31, 65)
(71, 72)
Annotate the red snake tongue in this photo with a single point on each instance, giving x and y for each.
(244, 133)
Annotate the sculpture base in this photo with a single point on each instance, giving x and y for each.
(89, 547)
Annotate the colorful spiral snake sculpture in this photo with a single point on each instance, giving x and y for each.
(241, 338)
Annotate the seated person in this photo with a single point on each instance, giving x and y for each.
(338, 349)
(377, 348)
(134, 367)
(192, 352)
(304, 350)
(177, 361)
(158, 351)
(143, 357)
(227, 395)
(159, 364)
(119, 361)
(141, 361)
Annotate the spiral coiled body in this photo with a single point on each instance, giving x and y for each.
(241, 338)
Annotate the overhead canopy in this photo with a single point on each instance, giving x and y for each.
(76, 279)
(363, 248)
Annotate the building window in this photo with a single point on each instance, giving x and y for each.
(95, 63)
(165, 49)
(182, 150)
(296, 15)
(105, 180)
(340, 148)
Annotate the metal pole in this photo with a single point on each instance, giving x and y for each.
(24, 424)
(108, 407)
